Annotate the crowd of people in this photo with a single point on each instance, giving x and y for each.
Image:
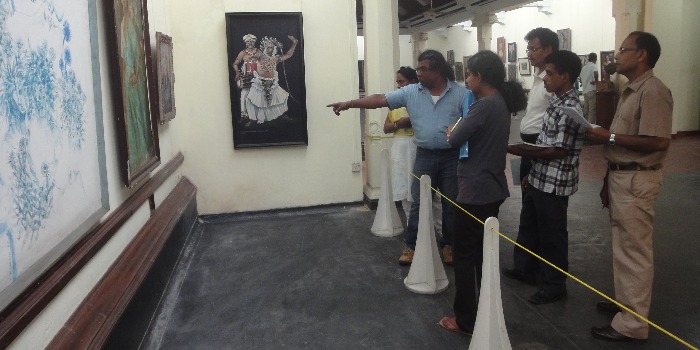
(459, 137)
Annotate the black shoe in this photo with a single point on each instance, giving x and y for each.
(526, 278)
(544, 296)
(607, 306)
(609, 333)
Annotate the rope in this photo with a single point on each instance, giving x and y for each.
(678, 339)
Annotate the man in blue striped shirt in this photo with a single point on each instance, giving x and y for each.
(433, 105)
(552, 179)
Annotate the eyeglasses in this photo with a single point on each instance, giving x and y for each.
(622, 50)
(533, 49)
(422, 69)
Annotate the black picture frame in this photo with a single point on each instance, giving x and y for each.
(256, 122)
(512, 52)
(606, 57)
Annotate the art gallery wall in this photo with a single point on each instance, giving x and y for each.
(43, 328)
(265, 178)
(675, 24)
(591, 24)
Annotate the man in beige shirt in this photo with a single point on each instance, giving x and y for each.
(635, 147)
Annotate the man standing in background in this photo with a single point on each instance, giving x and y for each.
(589, 78)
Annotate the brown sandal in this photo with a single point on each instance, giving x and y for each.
(450, 323)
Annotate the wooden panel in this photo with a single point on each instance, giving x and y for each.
(91, 323)
(16, 316)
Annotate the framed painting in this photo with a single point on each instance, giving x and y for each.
(267, 79)
(131, 73)
(564, 39)
(450, 58)
(465, 60)
(501, 48)
(165, 77)
(584, 59)
(512, 52)
(53, 181)
(606, 57)
(459, 71)
(512, 72)
(524, 65)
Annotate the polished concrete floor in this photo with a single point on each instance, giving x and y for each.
(318, 279)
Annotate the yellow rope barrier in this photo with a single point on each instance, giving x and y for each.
(562, 271)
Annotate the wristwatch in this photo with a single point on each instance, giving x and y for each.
(396, 126)
(611, 141)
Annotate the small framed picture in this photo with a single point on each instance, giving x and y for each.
(524, 65)
(512, 52)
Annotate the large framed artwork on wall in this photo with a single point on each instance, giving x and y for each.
(53, 183)
(266, 78)
(131, 70)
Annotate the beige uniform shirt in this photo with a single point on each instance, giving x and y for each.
(645, 108)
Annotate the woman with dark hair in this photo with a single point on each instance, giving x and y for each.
(482, 179)
(403, 150)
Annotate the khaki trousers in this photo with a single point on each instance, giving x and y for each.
(632, 197)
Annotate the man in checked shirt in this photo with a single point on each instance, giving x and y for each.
(552, 179)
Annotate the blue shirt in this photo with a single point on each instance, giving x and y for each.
(429, 120)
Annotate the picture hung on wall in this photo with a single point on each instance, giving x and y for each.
(606, 57)
(584, 59)
(524, 64)
(564, 39)
(165, 76)
(501, 48)
(53, 181)
(137, 127)
(267, 79)
(459, 71)
(512, 72)
(450, 57)
(512, 52)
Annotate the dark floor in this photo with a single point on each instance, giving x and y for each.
(318, 279)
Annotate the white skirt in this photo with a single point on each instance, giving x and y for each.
(403, 155)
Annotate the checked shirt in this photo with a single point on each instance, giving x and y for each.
(559, 176)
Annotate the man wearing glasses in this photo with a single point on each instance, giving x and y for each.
(540, 43)
(635, 147)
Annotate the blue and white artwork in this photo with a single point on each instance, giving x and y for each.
(51, 173)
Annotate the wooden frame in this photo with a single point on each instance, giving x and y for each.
(165, 76)
(524, 65)
(52, 156)
(512, 52)
(132, 81)
(512, 72)
(606, 57)
(267, 79)
(459, 71)
(501, 48)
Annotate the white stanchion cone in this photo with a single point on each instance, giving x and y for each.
(387, 222)
(490, 328)
(427, 275)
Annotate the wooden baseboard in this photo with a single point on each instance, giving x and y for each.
(18, 314)
(92, 322)
(681, 134)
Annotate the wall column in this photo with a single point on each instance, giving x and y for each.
(483, 23)
(381, 32)
(629, 16)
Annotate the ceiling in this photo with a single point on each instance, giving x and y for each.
(415, 17)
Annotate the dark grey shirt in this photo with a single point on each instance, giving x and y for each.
(482, 177)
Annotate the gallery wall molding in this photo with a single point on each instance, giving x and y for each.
(18, 314)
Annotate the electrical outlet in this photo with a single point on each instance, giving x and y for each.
(356, 167)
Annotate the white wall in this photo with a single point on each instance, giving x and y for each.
(675, 24)
(591, 23)
(42, 330)
(231, 180)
